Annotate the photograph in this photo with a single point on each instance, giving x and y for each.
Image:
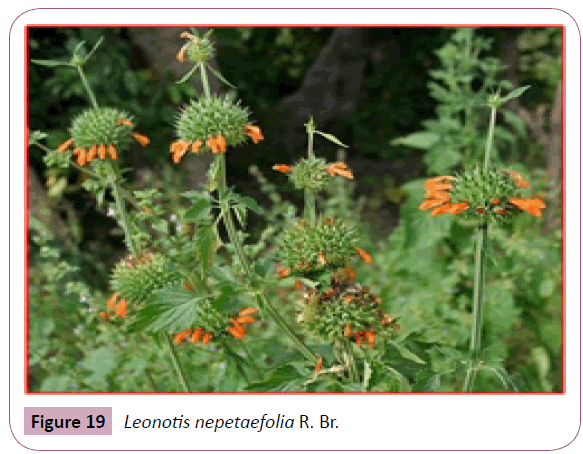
(294, 209)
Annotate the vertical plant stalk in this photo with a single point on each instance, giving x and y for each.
(176, 364)
(309, 195)
(262, 301)
(348, 359)
(479, 277)
(123, 220)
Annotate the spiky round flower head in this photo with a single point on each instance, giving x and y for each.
(136, 277)
(327, 244)
(101, 133)
(212, 124)
(198, 49)
(345, 310)
(314, 174)
(482, 195)
(311, 174)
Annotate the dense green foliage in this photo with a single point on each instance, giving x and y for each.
(426, 110)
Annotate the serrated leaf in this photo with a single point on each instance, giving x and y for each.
(223, 275)
(514, 93)
(170, 309)
(199, 210)
(331, 138)
(50, 63)
(219, 76)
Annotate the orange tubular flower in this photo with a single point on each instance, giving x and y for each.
(254, 132)
(65, 145)
(364, 255)
(186, 35)
(370, 336)
(101, 151)
(196, 334)
(339, 168)
(178, 149)
(124, 122)
(92, 153)
(121, 308)
(238, 331)
(178, 338)
(104, 315)
(181, 55)
(283, 272)
(213, 144)
(359, 338)
(319, 364)
(247, 311)
(111, 301)
(82, 156)
(347, 330)
(532, 206)
(322, 259)
(206, 338)
(112, 152)
(282, 168)
(520, 182)
(450, 208)
(141, 139)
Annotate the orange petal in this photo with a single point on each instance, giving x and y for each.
(124, 122)
(319, 364)
(112, 152)
(121, 308)
(196, 145)
(111, 301)
(254, 132)
(347, 330)
(92, 153)
(65, 145)
(282, 168)
(283, 272)
(82, 157)
(101, 151)
(247, 311)
(364, 255)
(187, 35)
(181, 55)
(141, 139)
(431, 203)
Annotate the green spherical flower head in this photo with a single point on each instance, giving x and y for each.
(345, 310)
(328, 244)
(102, 126)
(200, 49)
(207, 119)
(487, 192)
(311, 174)
(136, 277)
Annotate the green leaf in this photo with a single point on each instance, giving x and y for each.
(199, 210)
(100, 361)
(241, 214)
(331, 138)
(223, 275)
(406, 353)
(34, 137)
(50, 63)
(170, 309)
(188, 75)
(206, 236)
(546, 288)
(422, 140)
(285, 378)
(92, 51)
(514, 94)
(252, 204)
(219, 76)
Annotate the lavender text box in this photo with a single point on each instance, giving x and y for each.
(60, 415)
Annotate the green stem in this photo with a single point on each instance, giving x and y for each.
(247, 270)
(490, 138)
(176, 364)
(348, 354)
(87, 87)
(479, 278)
(120, 204)
(310, 206)
(205, 82)
(309, 195)
(279, 320)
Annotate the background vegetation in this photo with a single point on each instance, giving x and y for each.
(402, 99)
